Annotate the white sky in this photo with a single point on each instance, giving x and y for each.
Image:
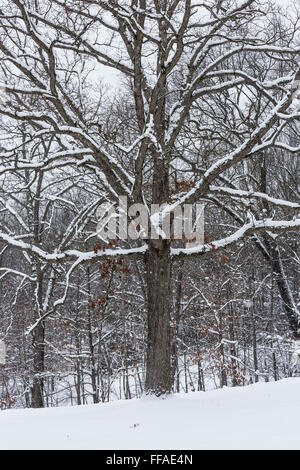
(111, 76)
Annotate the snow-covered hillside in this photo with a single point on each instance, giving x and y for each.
(261, 416)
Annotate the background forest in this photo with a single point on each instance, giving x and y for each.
(200, 106)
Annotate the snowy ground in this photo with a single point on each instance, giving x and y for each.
(261, 416)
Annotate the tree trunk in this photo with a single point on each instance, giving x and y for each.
(174, 330)
(38, 344)
(285, 293)
(38, 366)
(158, 363)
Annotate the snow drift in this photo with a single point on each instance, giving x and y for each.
(260, 416)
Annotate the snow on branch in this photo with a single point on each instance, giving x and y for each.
(253, 194)
(240, 234)
(71, 255)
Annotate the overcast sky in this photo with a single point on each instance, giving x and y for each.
(112, 76)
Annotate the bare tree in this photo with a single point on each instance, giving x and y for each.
(181, 63)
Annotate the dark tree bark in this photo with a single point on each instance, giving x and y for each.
(158, 264)
(285, 293)
(158, 370)
(38, 366)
